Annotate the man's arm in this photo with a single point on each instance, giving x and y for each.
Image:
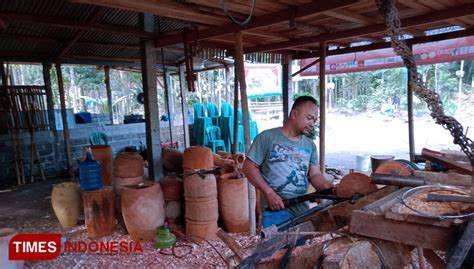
(317, 179)
(252, 171)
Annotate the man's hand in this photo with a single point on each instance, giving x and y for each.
(274, 200)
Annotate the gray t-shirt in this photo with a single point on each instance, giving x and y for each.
(284, 164)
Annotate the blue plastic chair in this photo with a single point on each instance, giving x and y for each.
(98, 138)
(214, 138)
(213, 113)
(201, 122)
(226, 110)
(199, 110)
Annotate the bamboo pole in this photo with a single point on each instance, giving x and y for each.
(67, 142)
(13, 122)
(49, 97)
(235, 145)
(239, 65)
(17, 121)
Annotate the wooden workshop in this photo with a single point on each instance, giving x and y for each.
(158, 191)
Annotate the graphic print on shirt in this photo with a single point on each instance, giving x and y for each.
(297, 160)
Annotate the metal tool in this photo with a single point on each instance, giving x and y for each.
(267, 247)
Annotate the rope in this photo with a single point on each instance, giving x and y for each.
(392, 21)
(241, 23)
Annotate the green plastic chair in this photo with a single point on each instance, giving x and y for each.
(98, 138)
(214, 138)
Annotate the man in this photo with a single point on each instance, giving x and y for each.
(282, 161)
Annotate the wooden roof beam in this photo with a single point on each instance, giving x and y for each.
(117, 59)
(163, 8)
(352, 17)
(460, 11)
(383, 45)
(258, 22)
(77, 24)
(87, 43)
(97, 13)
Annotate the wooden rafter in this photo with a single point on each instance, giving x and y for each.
(76, 24)
(164, 8)
(460, 11)
(98, 12)
(352, 17)
(259, 22)
(114, 45)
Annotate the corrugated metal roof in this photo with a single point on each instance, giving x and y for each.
(56, 22)
(106, 37)
(165, 25)
(120, 17)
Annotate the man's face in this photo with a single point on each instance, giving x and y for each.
(305, 117)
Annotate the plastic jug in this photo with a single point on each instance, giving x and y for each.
(89, 174)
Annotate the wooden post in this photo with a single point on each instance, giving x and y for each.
(235, 145)
(286, 86)
(226, 78)
(152, 120)
(411, 127)
(184, 106)
(49, 97)
(188, 59)
(168, 99)
(13, 126)
(109, 93)
(62, 98)
(239, 65)
(322, 106)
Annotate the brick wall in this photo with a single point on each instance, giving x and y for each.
(52, 150)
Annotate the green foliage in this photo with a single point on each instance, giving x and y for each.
(372, 90)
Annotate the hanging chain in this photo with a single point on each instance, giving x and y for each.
(392, 21)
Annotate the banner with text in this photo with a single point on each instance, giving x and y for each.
(428, 53)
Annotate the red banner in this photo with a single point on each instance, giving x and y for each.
(34, 247)
(428, 53)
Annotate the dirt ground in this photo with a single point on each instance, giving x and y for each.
(28, 209)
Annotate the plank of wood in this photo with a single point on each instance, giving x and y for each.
(394, 215)
(385, 203)
(440, 158)
(414, 234)
(164, 8)
(451, 178)
(338, 216)
(455, 155)
(351, 17)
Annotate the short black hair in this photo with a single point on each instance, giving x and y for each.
(303, 99)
